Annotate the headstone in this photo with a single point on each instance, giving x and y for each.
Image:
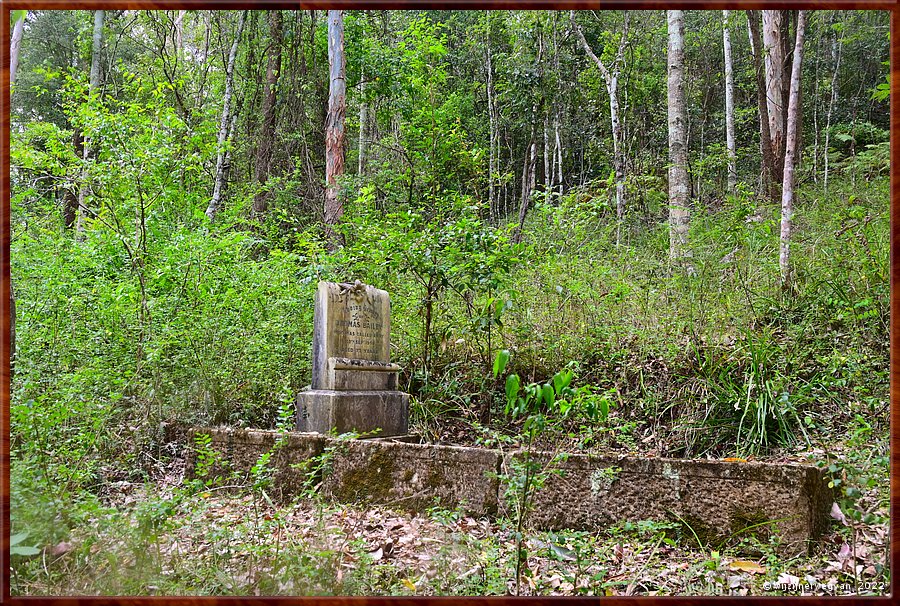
(354, 383)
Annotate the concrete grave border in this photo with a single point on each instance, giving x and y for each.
(717, 499)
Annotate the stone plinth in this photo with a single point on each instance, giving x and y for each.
(322, 410)
(354, 384)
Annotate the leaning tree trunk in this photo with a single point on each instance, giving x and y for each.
(611, 77)
(679, 182)
(267, 128)
(224, 126)
(773, 22)
(767, 163)
(94, 86)
(334, 127)
(787, 192)
(729, 104)
(15, 44)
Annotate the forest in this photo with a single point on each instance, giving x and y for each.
(684, 213)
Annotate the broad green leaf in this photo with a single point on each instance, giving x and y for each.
(23, 550)
(501, 361)
(547, 393)
(512, 387)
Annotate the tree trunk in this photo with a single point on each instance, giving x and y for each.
(729, 104)
(270, 98)
(836, 45)
(528, 165)
(334, 127)
(679, 184)
(179, 32)
(363, 121)
(787, 192)
(15, 44)
(224, 125)
(492, 124)
(773, 23)
(94, 86)
(611, 77)
(767, 155)
(559, 156)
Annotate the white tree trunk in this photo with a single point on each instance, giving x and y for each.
(179, 32)
(559, 156)
(611, 77)
(775, 84)
(216, 201)
(836, 45)
(94, 85)
(363, 121)
(679, 184)
(15, 44)
(787, 192)
(492, 159)
(729, 104)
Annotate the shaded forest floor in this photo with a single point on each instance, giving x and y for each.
(174, 537)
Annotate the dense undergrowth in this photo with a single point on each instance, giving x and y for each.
(714, 360)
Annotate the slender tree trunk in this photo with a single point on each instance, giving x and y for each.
(767, 163)
(559, 156)
(611, 77)
(363, 122)
(528, 165)
(492, 123)
(334, 127)
(836, 45)
(729, 104)
(179, 32)
(224, 125)
(548, 179)
(787, 192)
(679, 183)
(270, 98)
(15, 44)
(773, 24)
(94, 87)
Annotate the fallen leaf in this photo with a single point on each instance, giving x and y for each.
(409, 584)
(788, 579)
(61, 548)
(747, 566)
(837, 514)
(564, 554)
(377, 554)
(735, 460)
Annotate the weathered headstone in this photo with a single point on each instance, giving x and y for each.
(354, 383)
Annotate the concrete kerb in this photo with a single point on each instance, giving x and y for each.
(719, 500)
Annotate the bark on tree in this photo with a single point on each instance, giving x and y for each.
(836, 45)
(94, 86)
(773, 24)
(15, 44)
(225, 125)
(492, 124)
(611, 77)
(267, 128)
(787, 192)
(334, 127)
(679, 182)
(729, 104)
(363, 121)
(767, 163)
